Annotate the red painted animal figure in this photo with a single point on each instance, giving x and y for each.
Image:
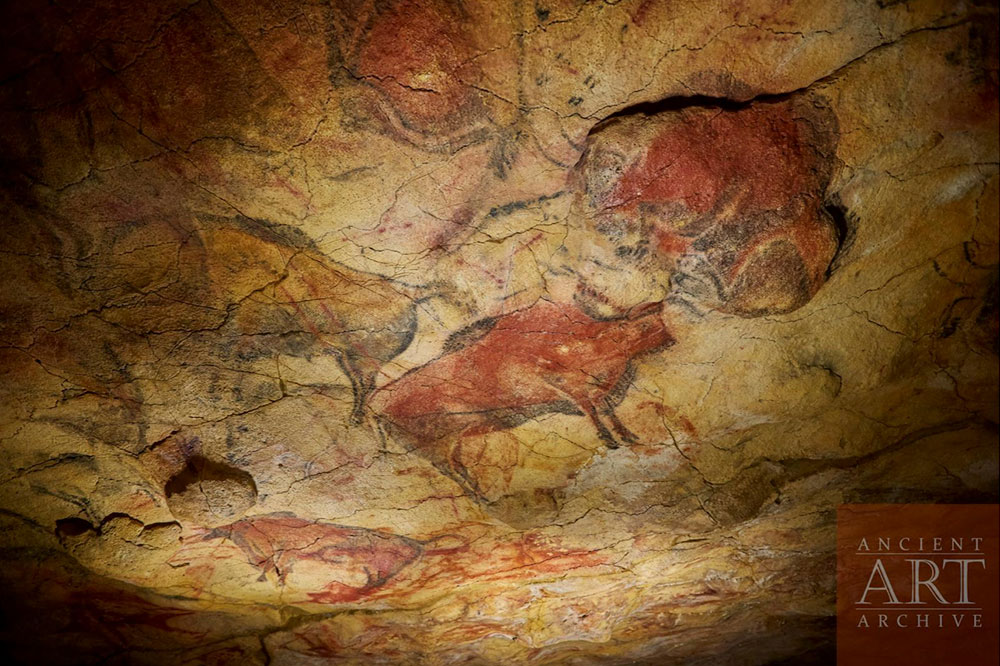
(276, 542)
(730, 202)
(547, 358)
(417, 58)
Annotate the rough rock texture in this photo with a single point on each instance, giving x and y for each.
(462, 331)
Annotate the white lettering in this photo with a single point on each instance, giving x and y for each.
(885, 587)
(929, 583)
(964, 576)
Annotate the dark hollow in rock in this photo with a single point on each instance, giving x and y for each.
(209, 493)
(73, 527)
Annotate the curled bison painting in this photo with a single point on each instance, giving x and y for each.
(493, 332)
(727, 201)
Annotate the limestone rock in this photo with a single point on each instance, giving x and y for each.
(493, 332)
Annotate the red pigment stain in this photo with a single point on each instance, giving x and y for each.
(291, 189)
(527, 244)
(462, 217)
(547, 354)
(109, 607)
(672, 415)
(531, 556)
(975, 106)
(815, 244)
(522, 558)
(754, 154)
(639, 16)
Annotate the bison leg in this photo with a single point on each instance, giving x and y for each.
(362, 384)
(447, 464)
(441, 453)
(366, 384)
(586, 405)
(602, 430)
(465, 479)
(627, 435)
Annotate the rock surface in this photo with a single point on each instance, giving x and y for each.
(430, 332)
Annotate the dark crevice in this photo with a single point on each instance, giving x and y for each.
(845, 223)
(680, 102)
(199, 469)
(736, 101)
(733, 102)
(73, 527)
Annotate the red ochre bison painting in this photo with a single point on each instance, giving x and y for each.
(419, 61)
(729, 200)
(354, 561)
(547, 358)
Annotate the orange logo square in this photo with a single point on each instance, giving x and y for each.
(918, 584)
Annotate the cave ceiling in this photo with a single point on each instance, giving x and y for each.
(475, 332)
